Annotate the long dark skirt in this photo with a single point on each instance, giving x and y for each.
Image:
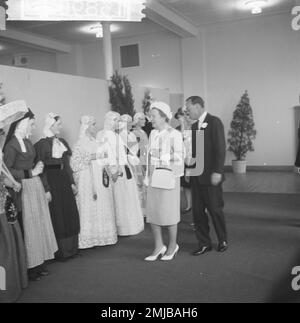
(12, 260)
(297, 163)
(64, 213)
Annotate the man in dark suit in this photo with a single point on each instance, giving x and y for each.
(207, 188)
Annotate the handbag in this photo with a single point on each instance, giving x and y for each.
(11, 209)
(163, 178)
(105, 178)
(128, 172)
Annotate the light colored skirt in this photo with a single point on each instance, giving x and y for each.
(163, 206)
(97, 217)
(129, 215)
(39, 236)
(139, 175)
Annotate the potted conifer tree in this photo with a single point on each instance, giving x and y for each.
(120, 95)
(242, 134)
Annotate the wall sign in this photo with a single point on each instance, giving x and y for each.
(296, 19)
(92, 10)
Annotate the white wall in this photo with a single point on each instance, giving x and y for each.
(160, 61)
(160, 58)
(37, 60)
(194, 66)
(69, 96)
(261, 55)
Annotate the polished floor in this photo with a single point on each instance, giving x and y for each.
(263, 182)
(264, 232)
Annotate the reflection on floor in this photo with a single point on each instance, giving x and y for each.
(263, 182)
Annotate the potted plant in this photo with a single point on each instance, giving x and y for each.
(120, 95)
(242, 134)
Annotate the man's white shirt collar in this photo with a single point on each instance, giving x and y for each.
(202, 118)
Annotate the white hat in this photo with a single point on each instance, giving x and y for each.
(126, 118)
(85, 123)
(50, 120)
(164, 107)
(138, 116)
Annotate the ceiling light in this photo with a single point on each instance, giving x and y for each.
(256, 10)
(97, 29)
(256, 5)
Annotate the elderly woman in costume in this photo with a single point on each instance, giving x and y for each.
(55, 153)
(129, 216)
(139, 121)
(94, 198)
(19, 157)
(12, 249)
(165, 167)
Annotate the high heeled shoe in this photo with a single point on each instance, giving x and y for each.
(155, 257)
(172, 256)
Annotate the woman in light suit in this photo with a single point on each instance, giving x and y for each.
(165, 150)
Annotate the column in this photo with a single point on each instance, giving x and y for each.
(2, 15)
(107, 50)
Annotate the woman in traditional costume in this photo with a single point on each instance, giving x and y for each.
(12, 249)
(19, 157)
(129, 215)
(95, 197)
(140, 169)
(128, 212)
(54, 152)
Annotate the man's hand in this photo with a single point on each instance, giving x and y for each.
(216, 179)
(75, 190)
(49, 197)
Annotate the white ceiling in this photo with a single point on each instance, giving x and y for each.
(197, 12)
(78, 32)
(202, 12)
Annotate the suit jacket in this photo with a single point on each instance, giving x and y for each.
(214, 148)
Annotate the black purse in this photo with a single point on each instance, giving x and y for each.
(128, 172)
(11, 210)
(105, 178)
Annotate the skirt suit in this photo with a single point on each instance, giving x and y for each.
(163, 206)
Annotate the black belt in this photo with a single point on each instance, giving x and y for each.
(49, 167)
